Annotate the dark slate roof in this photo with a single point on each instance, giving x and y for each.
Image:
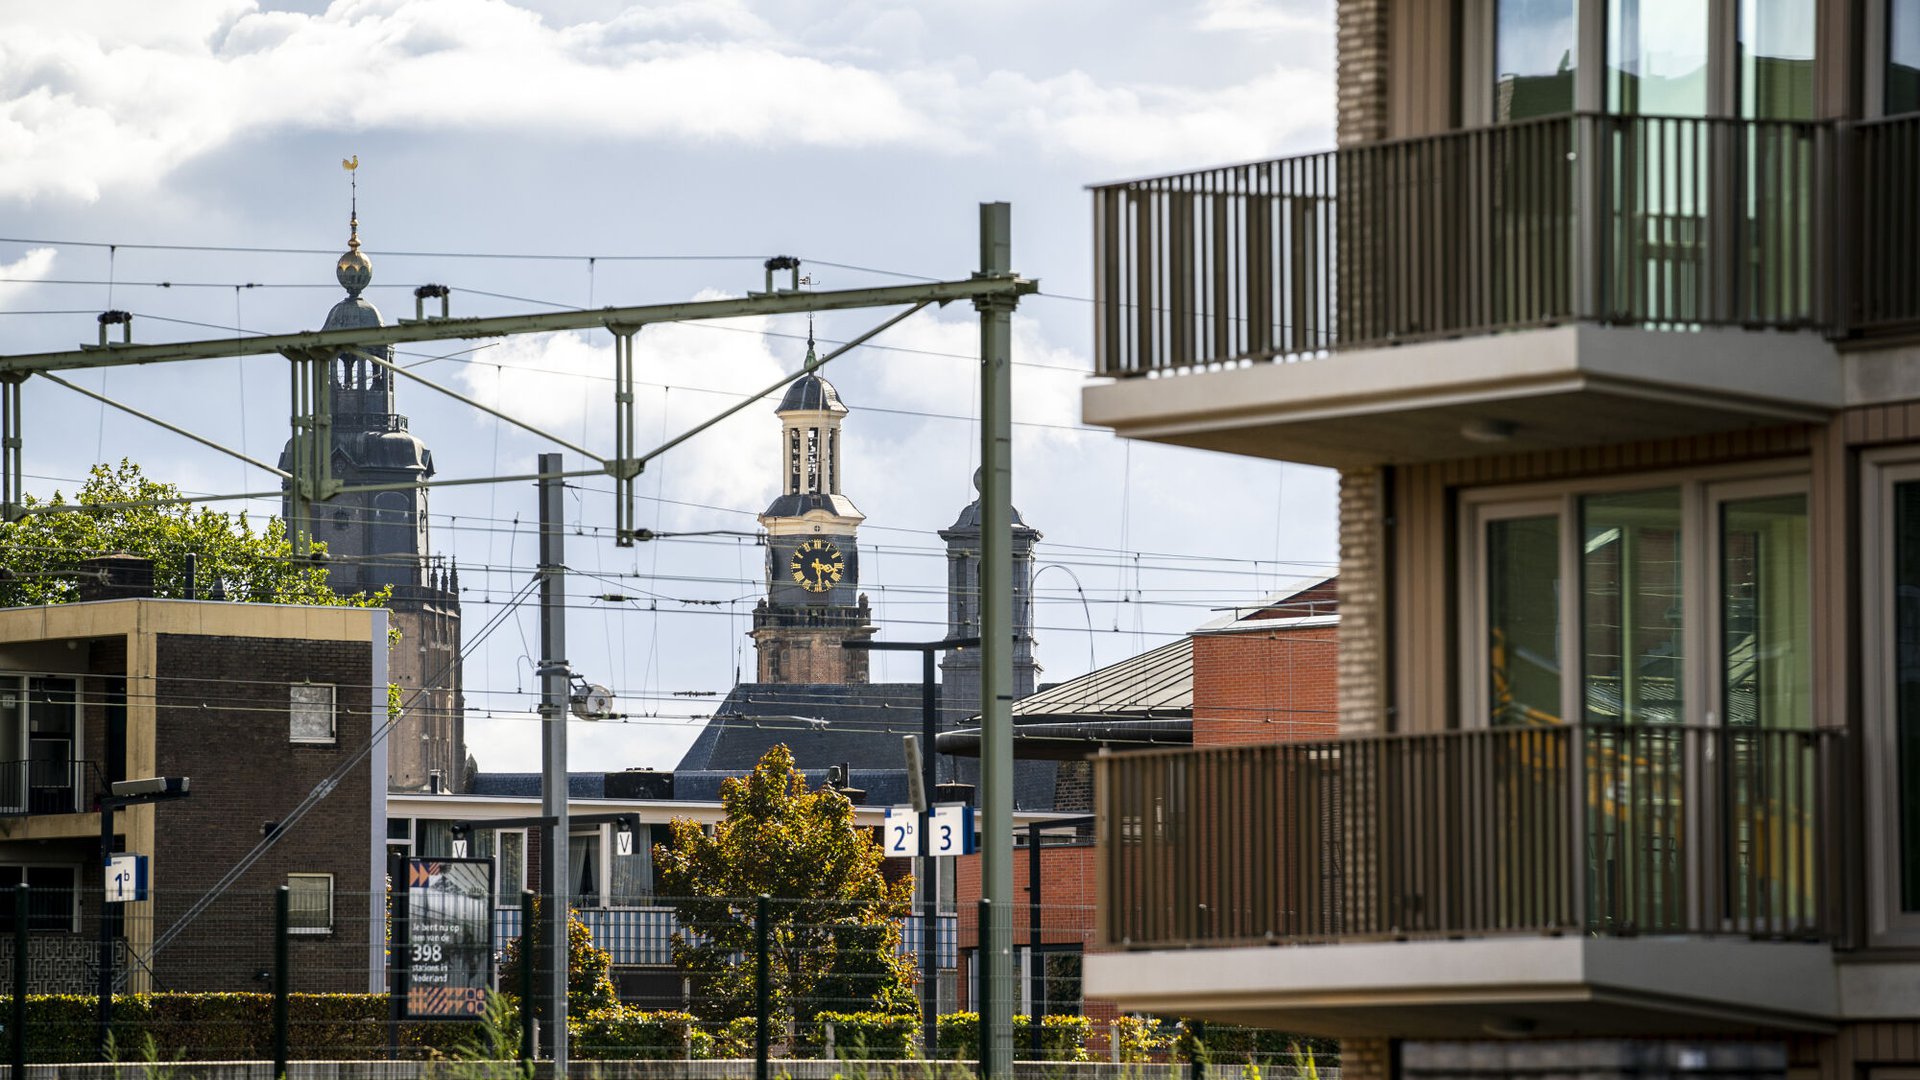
(796, 505)
(352, 313)
(969, 521)
(580, 785)
(811, 393)
(863, 726)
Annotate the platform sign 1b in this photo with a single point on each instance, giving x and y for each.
(902, 832)
(950, 830)
(126, 878)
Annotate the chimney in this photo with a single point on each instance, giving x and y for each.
(116, 577)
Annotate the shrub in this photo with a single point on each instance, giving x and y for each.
(623, 1033)
(1141, 1039)
(1062, 1038)
(865, 1034)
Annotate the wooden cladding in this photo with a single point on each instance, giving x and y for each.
(1603, 829)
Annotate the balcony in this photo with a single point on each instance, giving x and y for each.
(1533, 285)
(1569, 879)
(47, 786)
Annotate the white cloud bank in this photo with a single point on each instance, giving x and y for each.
(119, 94)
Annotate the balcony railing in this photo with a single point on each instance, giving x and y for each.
(46, 786)
(1661, 222)
(1574, 829)
(643, 936)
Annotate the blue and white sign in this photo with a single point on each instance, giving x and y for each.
(950, 830)
(902, 832)
(126, 878)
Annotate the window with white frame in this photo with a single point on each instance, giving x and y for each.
(310, 711)
(510, 847)
(310, 903)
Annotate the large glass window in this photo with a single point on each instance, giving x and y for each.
(1657, 57)
(1776, 59)
(1534, 50)
(1631, 607)
(1903, 56)
(1523, 620)
(1906, 683)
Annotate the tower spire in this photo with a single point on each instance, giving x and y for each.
(352, 165)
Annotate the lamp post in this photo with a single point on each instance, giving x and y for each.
(929, 869)
(153, 789)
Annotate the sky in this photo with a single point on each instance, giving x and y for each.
(580, 153)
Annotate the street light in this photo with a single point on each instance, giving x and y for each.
(123, 793)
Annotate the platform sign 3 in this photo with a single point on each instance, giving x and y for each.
(902, 831)
(950, 830)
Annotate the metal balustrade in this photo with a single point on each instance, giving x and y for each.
(47, 786)
(1667, 223)
(1576, 829)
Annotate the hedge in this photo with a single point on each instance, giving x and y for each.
(211, 1027)
(621, 1033)
(870, 1035)
(1062, 1038)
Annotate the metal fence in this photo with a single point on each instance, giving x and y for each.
(1660, 222)
(1587, 829)
(694, 986)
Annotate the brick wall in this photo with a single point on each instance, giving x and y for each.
(1278, 685)
(223, 721)
(1363, 602)
(425, 664)
(1366, 1059)
(1362, 79)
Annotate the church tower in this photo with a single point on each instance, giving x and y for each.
(960, 668)
(379, 540)
(813, 562)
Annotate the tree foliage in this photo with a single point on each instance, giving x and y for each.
(834, 933)
(40, 551)
(589, 968)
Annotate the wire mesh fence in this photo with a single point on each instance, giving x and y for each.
(680, 986)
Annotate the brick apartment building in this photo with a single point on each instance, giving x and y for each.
(1605, 312)
(257, 705)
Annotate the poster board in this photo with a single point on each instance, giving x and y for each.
(443, 944)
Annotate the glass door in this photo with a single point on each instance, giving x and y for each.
(1762, 753)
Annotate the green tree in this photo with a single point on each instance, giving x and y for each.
(834, 933)
(589, 968)
(39, 551)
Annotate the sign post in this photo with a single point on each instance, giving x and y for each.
(443, 939)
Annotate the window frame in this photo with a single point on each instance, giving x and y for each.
(333, 715)
(332, 909)
(1880, 471)
(1702, 492)
(502, 897)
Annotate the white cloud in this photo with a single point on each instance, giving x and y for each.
(83, 110)
(1262, 18)
(17, 276)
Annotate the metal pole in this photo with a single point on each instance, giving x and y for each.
(983, 930)
(1036, 982)
(19, 1018)
(104, 986)
(553, 755)
(282, 974)
(529, 936)
(762, 984)
(929, 871)
(996, 629)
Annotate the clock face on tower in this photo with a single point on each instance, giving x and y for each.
(817, 565)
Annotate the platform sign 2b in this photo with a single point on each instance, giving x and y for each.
(443, 939)
(902, 832)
